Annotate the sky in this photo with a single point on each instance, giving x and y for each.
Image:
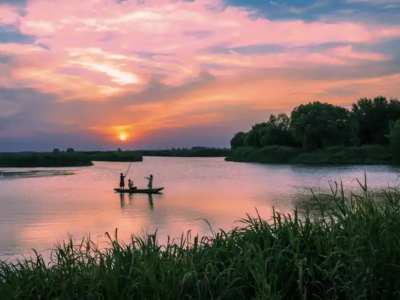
(80, 73)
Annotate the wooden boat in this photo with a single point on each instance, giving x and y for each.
(139, 191)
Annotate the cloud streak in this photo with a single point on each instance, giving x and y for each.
(163, 68)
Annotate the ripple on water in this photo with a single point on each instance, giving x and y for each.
(44, 206)
(34, 173)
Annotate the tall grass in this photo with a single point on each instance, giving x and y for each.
(351, 251)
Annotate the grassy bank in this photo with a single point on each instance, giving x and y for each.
(194, 152)
(364, 155)
(32, 160)
(350, 253)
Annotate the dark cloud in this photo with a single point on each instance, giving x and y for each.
(390, 48)
(12, 34)
(13, 1)
(308, 10)
(247, 50)
(318, 48)
(308, 71)
(383, 12)
(31, 108)
(45, 141)
(6, 59)
(157, 91)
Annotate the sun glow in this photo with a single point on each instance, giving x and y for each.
(123, 136)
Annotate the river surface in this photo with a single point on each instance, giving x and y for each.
(37, 210)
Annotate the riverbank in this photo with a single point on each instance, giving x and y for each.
(115, 156)
(352, 252)
(193, 152)
(37, 160)
(65, 159)
(363, 155)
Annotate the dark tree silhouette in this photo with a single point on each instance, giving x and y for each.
(238, 140)
(373, 117)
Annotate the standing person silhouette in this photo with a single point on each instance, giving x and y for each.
(150, 184)
(122, 181)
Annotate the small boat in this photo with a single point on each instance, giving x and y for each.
(139, 191)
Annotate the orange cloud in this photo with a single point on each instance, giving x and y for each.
(175, 64)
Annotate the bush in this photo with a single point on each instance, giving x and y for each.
(395, 141)
(367, 154)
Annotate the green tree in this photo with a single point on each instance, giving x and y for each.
(70, 150)
(254, 136)
(374, 117)
(277, 132)
(238, 140)
(395, 140)
(56, 150)
(318, 125)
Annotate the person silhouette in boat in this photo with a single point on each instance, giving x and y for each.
(122, 181)
(150, 184)
(130, 184)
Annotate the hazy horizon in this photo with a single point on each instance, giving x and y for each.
(166, 74)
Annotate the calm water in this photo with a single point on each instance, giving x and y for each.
(41, 210)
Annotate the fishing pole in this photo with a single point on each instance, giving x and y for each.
(128, 169)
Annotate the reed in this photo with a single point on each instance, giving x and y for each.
(349, 251)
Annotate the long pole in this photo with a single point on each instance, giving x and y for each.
(128, 169)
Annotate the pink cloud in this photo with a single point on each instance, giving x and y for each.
(102, 52)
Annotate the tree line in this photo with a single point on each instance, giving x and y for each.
(317, 125)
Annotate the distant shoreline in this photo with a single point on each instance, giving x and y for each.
(62, 159)
(72, 158)
(362, 155)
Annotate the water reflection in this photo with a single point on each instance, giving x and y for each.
(131, 197)
(39, 212)
(151, 203)
(122, 199)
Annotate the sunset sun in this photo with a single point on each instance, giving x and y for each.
(122, 137)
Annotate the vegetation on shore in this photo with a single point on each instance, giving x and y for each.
(33, 160)
(185, 152)
(69, 158)
(72, 158)
(362, 155)
(349, 251)
(115, 156)
(322, 133)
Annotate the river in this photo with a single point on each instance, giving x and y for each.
(42, 209)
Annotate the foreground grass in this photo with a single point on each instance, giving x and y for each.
(352, 252)
(363, 155)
